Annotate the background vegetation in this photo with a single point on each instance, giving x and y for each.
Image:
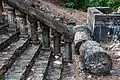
(84, 4)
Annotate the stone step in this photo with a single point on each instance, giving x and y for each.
(11, 53)
(54, 69)
(40, 68)
(27, 71)
(3, 28)
(67, 72)
(21, 63)
(7, 38)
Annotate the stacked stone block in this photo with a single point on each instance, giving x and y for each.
(100, 20)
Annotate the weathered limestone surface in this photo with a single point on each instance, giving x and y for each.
(8, 38)
(94, 58)
(21, 64)
(101, 21)
(45, 37)
(82, 34)
(3, 28)
(57, 41)
(41, 66)
(12, 54)
(39, 15)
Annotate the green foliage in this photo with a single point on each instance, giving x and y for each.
(84, 4)
(114, 4)
(97, 2)
(1, 78)
(70, 4)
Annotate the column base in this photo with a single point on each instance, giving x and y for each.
(67, 61)
(35, 42)
(46, 49)
(58, 55)
(24, 36)
(12, 30)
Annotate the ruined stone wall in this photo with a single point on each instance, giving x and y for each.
(100, 20)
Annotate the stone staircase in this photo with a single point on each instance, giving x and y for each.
(21, 63)
(41, 66)
(22, 60)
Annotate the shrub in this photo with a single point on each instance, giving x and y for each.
(84, 4)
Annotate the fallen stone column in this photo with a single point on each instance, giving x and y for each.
(95, 59)
(81, 35)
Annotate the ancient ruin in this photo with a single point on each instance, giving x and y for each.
(36, 43)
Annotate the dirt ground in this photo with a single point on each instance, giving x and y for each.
(80, 17)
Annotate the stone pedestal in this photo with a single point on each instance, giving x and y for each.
(68, 51)
(28, 26)
(21, 24)
(1, 16)
(57, 42)
(34, 35)
(33, 26)
(12, 27)
(45, 37)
